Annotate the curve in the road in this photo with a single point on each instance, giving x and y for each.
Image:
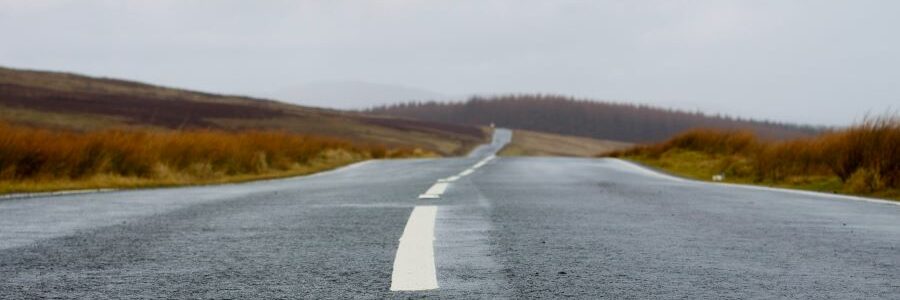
(414, 267)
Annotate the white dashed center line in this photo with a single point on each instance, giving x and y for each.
(414, 268)
(449, 179)
(435, 191)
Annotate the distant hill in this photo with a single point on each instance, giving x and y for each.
(64, 100)
(565, 115)
(352, 94)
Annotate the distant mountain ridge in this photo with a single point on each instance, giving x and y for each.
(579, 117)
(352, 94)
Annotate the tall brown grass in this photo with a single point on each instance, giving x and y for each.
(866, 156)
(34, 154)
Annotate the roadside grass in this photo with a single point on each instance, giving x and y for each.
(702, 166)
(37, 160)
(105, 181)
(861, 160)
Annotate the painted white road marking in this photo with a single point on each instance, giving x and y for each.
(483, 162)
(57, 193)
(807, 193)
(435, 191)
(647, 171)
(440, 187)
(449, 179)
(414, 268)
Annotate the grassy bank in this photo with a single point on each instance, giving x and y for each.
(861, 160)
(33, 159)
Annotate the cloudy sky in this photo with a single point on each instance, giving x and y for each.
(823, 62)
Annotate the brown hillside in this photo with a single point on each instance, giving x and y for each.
(52, 99)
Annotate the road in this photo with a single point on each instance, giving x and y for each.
(509, 228)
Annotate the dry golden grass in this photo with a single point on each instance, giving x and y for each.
(33, 159)
(531, 143)
(863, 159)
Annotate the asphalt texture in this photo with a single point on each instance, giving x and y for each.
(515, 228)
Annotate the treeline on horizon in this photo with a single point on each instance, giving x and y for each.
(34, 159)
(579, 117)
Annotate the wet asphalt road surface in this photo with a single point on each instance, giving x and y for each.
(515, 228)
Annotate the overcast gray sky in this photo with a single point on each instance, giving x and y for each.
(824, 62)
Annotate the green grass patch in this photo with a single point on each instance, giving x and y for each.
(702, 166)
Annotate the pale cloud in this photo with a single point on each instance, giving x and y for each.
(769, 59)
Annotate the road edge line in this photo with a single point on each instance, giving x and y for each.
(757, 187)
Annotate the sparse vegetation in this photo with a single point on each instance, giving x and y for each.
(35, 159)
(863, 159)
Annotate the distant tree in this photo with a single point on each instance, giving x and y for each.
(582, 117)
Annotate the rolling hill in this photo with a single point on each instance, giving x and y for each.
(83, 103)
(351, 94)
(568, 116)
